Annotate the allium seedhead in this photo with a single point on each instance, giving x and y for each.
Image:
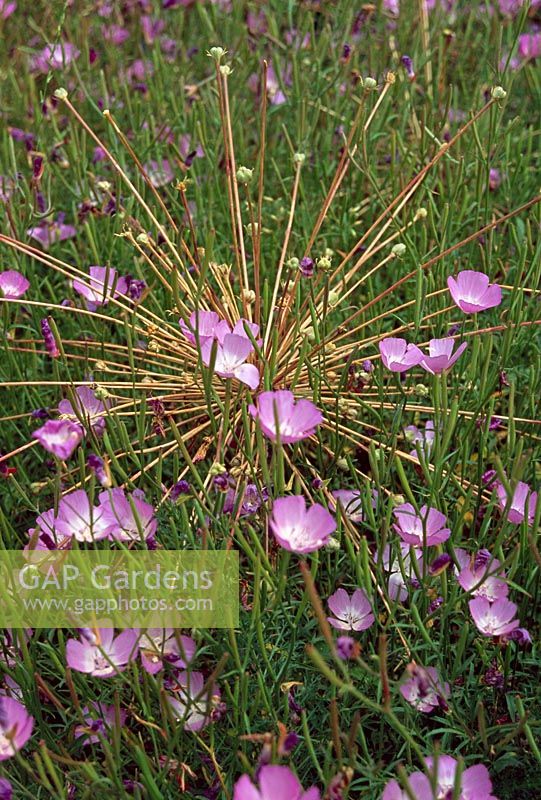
(369, 83)
(399, 249)
(299, 158)
(61, 94)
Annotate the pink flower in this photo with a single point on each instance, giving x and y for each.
(7, 8)
(522, 505)
(102, 286)
(100, 720)
(424, 690)
(297, 419)
(529, 45)
(100, 653)
(350, 613)
(75, 518)
(397, 355)
(13, 284)
(425, 439)
(475, 783)
(231, 358)
(350, 499)
(59, 437)
(54, 56)
(420, 786)
(129, 517)
(160, 172)
(399, 583)
(50, 231)
(158, 646)
(191, 705)
(441, 355)
(275, 783)
(426, 528)
(206, 324)
(493, 619)
(472, 292)
(480, 575)
(299, 529)
(15, 727)
(88, 407)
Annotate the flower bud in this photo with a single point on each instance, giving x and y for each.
(244, 174)
(398, 249)
(217, 53)
(61, 94)
(217, 469)
(299, 158)
(369, 83)
(324, 263)
(498, 93)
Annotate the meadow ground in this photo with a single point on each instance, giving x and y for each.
(270, 285)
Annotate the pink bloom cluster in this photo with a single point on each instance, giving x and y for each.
(492, 612)
(118, 516)
(521, 505)
(232, 346)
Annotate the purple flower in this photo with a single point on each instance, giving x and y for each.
(59, 437)
(299, 529)
(518, 635)
(15, 727)
(100, 720)
(472, 292)
(7, 8)
(6, 790)
(87, 407)
(151, 28)
(474, 782)
(180, 488)
(424, 689)
(426, 528)
(100, 653)
(97, 466)
(48, 339)
(350, 500)
(54, 56)
(50, 231)
(206, 325)
(101, 286)
(115, 34)
(297, 419)
(425, 439)
(494, 179)
(252, 499)
(13, 284)
(399, 583)
(350, 613)
(230, 361)
(481, 577)
(441, 356)
(347, 648)
(493, 619)
(521, 506)
(306, 266)
(159, 645)
(275, 783)
(397, 355)
(529, 45)
(190, 705)
(407, 63)
(160, 172)
(77, 518)
(130, 518)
